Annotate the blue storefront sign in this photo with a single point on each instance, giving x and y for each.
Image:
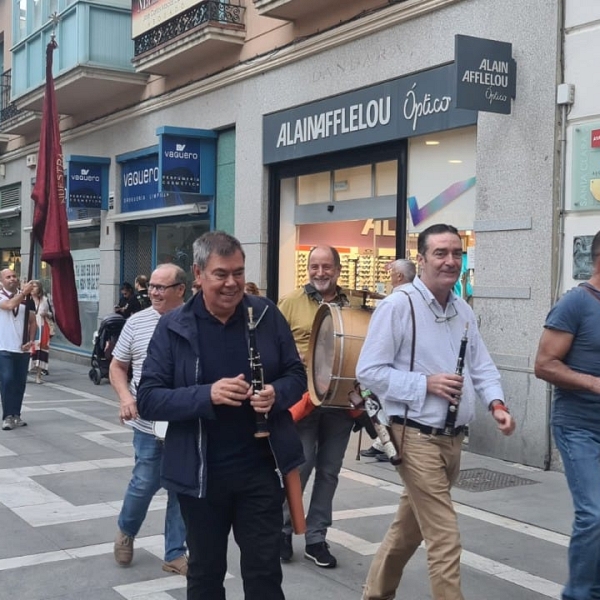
(180, 164)
(405, 107)
(187, 162)
(87, 182)
(181, 169)
(139, 183)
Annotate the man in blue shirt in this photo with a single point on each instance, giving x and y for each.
(568, 357)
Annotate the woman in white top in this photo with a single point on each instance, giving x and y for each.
(41, 348)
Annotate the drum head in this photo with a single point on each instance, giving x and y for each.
(335, 341)
(324, 355)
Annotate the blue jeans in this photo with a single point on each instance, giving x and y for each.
(324, 434)
(145, 482)
(580, 452)
(13, 378)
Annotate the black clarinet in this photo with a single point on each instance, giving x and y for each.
(452, 412)
(256, 370)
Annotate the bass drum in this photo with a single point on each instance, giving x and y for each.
(336, 339)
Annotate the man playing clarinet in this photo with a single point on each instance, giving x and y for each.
(410, 360)
(227, 473)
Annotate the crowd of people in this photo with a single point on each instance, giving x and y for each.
(210, 388)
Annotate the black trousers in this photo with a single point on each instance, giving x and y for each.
(251, 504)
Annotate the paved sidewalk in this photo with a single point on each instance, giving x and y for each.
(63, 477)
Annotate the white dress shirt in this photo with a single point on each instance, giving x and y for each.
(384, 362)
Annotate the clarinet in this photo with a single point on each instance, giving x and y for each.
(258, 380)
(452, 412)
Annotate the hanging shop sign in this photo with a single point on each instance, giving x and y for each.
(87, 182)
(187, 160)
(401, 108)
(486, 74)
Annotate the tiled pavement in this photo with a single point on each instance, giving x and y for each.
(62, 479)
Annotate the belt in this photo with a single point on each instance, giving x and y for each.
(426, 429)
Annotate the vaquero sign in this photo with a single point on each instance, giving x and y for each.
(87, 182)
(406, 107)
(486, 74)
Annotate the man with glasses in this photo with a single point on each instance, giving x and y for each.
(166, 291)
(568, 357)
(325, 431)
(198, 377)
(417, 400)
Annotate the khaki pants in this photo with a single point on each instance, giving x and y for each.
(429, 468)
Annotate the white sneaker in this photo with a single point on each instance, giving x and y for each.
(18, 422)
(8, 423)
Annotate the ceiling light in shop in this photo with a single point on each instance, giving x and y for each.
(432, 143)
(455, 161)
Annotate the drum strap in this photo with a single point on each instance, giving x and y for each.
(412, 365)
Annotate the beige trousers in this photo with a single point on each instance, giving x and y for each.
(429, 468)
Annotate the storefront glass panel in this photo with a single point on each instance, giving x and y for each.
(11, 259)
(85, 249)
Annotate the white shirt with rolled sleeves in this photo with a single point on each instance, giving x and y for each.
(384, 362)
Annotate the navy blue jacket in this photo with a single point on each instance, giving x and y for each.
(172, 389)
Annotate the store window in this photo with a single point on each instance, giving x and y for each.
(85, 249)
(11, 259)
(146, 246)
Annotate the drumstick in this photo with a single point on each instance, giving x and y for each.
(359, 444)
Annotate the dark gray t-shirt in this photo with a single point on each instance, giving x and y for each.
(578, 313)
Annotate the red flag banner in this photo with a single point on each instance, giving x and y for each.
(50, 226)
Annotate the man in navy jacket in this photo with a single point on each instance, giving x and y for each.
(197, 376)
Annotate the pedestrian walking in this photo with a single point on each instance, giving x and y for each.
(568, 357)
(201, 374)
(166, 291)
(409, 360)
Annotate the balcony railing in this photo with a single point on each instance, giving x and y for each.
(8, 109)
(209, 11)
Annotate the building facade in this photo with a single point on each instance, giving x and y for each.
(318, 122)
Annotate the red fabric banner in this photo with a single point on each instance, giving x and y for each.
(50, 226)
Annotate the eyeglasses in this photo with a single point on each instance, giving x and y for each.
(161, 289)
(438, 318)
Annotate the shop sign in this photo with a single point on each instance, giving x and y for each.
(87, 182)
(486, 74)
(586, 169)
(402, 108)
(148, 14)
(187, 161)
(139, 183)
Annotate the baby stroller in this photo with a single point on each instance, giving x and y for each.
(105, 340)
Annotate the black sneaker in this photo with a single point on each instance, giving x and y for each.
(371, 452)
(319, 553)
(383, 457)
(286, 550)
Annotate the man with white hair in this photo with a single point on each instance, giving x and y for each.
(402, 271)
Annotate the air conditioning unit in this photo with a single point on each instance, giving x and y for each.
(31, 160)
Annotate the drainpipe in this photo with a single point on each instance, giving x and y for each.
(564, 98)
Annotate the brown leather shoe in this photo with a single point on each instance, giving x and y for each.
(123, 549)
(178, 566)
